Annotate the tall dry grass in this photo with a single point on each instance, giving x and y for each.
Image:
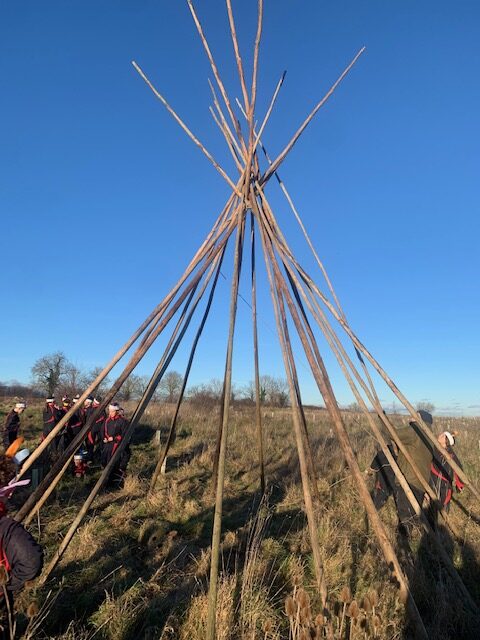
(138, 566)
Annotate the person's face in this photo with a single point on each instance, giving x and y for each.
(21, 410)
(442, 439)
(112, 413)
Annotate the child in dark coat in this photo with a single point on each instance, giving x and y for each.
(20, 555)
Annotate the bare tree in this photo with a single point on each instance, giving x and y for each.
(49, 372)
(170, 386)
(90, 376)
(71, 381)
(274, 391)
(248, 392)
(132, 388)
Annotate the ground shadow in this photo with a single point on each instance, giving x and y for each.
(446, 611)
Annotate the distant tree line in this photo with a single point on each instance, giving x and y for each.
(55, 375)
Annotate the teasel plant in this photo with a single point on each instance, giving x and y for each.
(343, 618)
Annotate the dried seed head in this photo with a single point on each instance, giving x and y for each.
(353, 610)
(373, 597)
(366, 604)
(304, 635)
(267, 626)
(377, 621)
(297, 580)
(290, 607)
(307, 613)
(32, 610)
(319, 620)
(303, 598)
(346, 595)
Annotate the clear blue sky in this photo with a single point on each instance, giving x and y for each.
(104, 200)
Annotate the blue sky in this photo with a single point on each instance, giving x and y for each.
(104, 200)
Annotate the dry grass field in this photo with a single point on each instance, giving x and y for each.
(138, 567)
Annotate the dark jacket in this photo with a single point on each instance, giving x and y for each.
(51, 416)
(20, 554)
(443, 477)
(10, 429)
(421, 451)
(96, 431)
(114, 428)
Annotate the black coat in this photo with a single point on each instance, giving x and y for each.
(10, 429)
(20, 554)
(114, 428)
(51, 417)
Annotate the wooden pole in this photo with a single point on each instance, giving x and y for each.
(256, 48)
(217, 521)
(258, 412)
(238, 57)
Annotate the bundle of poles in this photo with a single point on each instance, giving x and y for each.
(299, 304)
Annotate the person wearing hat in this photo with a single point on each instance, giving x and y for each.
(113, 432)
(443, 478)
(95, 436)
(63, 439)
(420, 449)
(51, 417)
(75, 422)
(20, 555)
(12, 424)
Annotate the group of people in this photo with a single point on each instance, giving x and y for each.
(105, 432)
(433, 465)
